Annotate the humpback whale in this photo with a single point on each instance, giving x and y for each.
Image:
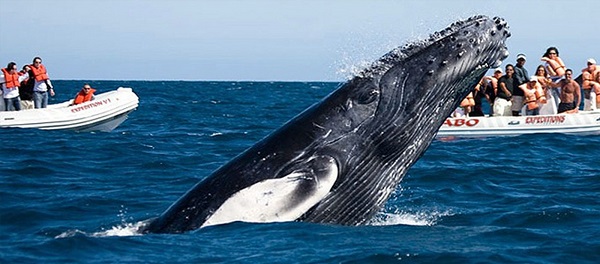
(339, 161)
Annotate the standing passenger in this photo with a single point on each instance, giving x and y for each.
(570, 96)
(552, 94)
(554, 64)
(491, 88)
(534, 96)
(10, 87)
(42, 84)
(591, 75)
(26, 89)
(506, 86)
(522, 77)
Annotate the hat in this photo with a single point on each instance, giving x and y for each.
(521, 56)
(591, 60)
(533, 78)
(498, 70)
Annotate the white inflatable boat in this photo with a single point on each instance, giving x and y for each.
(104, 113)
(584, 122)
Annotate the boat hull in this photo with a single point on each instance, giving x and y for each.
(106, 112)
(584, 122)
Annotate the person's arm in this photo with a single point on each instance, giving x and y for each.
(578, 94)
(23, 77)
(50, 87)
(523, 87)
(540, 95)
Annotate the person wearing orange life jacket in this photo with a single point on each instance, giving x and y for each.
(42, 85)
(591, 83)
(10, 87)
(534, 96)
(86, 94)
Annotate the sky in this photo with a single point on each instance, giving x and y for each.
(267, 40)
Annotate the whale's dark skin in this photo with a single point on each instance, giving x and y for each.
(346, 154)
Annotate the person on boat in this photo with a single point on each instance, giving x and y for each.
(477, 95)
(26, 89)
(554, 64)
(10, 87)
(506, 85)
(591, 83)
(465, 107)
(570, 96)
(42, 85)
(489, 86)
(84, 95)
(552, 94)
(522, 77)
(534, 96)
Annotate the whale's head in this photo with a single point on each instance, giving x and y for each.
(433, 74)
(388, 114)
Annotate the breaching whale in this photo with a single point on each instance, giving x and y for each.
(338, 161)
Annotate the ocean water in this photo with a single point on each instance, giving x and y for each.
(77, 197)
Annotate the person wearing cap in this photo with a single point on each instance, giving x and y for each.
(570, 96)
(488, 85)
(554, 64)
(521, 75)
(520, 71)
(591, 83)
(534, 96)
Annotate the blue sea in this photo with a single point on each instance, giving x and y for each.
(78, 197)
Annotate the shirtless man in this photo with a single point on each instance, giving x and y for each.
(591, 78)
(568, 92)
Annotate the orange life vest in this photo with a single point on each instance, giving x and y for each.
(82, 98)
(533, 96)
(40, 73)
(12, 79)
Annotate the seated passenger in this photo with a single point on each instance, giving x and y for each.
(534, 96)
(86, 94)
(591, 81)
(554, 64)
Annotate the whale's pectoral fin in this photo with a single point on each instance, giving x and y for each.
(280, 199)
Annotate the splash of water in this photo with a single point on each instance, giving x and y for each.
(123, 229)
(408, 218)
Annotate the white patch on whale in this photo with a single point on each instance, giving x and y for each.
(269, 200)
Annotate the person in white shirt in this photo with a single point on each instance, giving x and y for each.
(42, 85)
(10, 87)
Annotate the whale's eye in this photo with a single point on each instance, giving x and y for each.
(367, 96)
